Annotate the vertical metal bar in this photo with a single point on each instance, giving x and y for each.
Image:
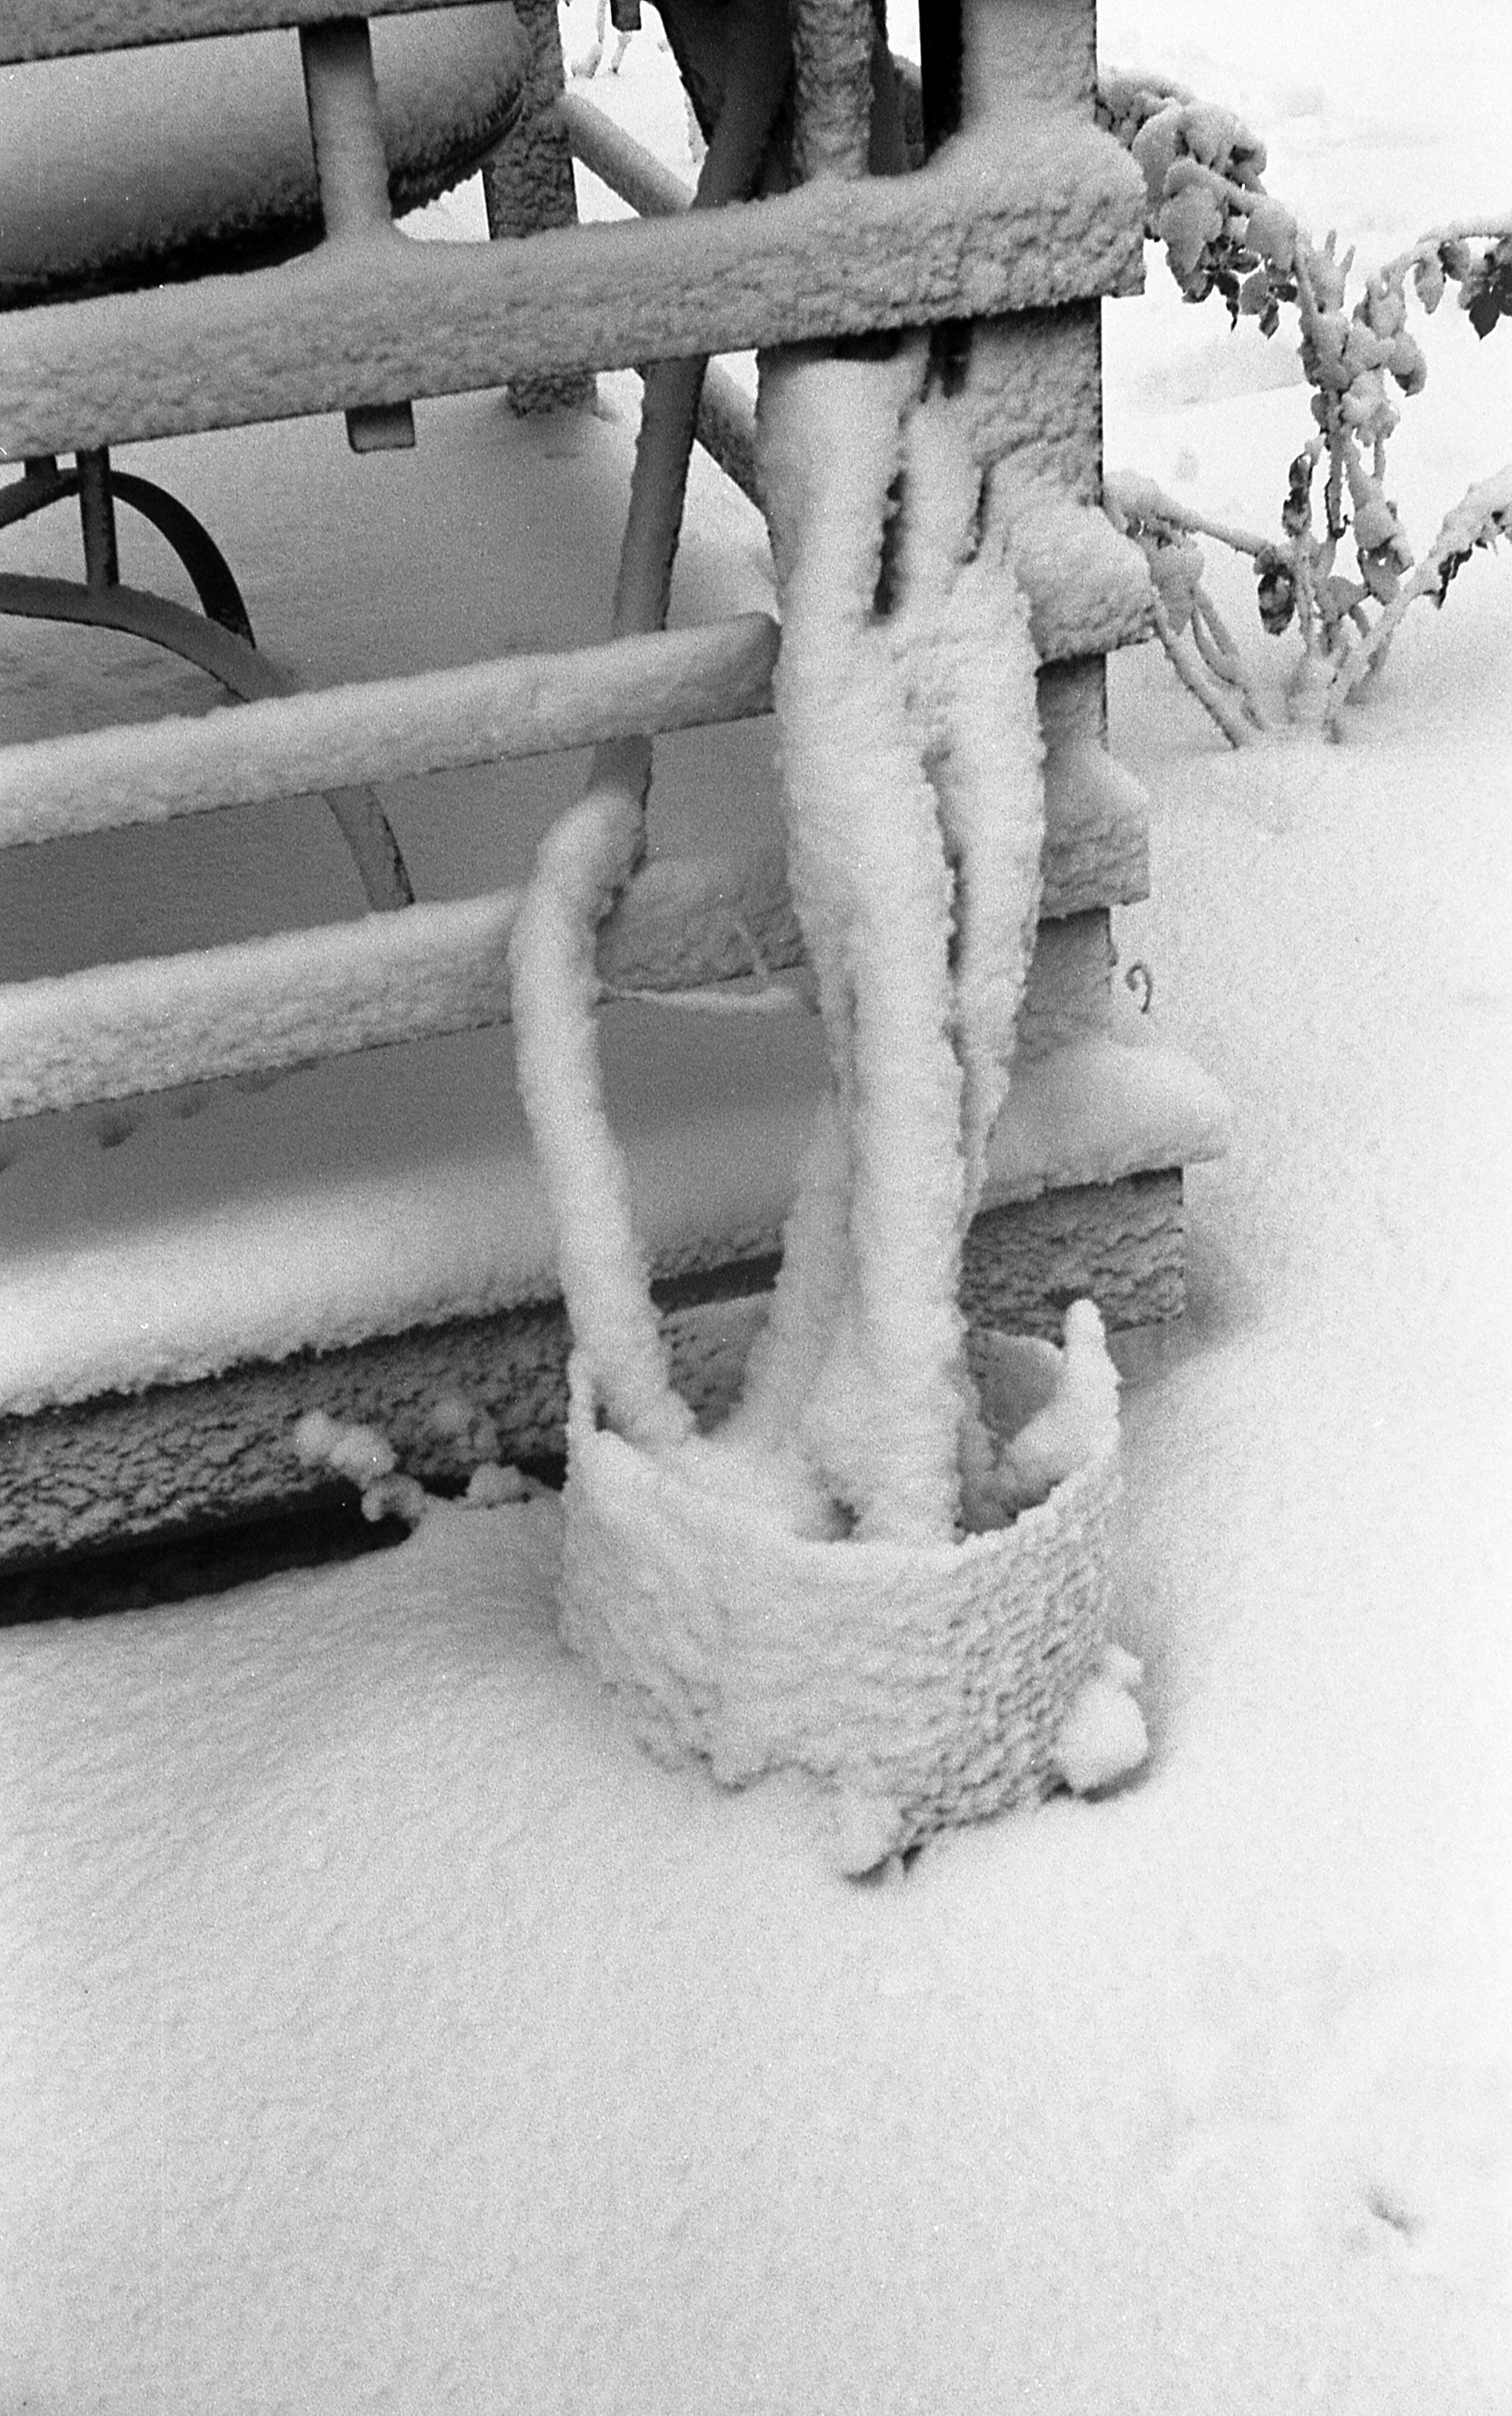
(97, 510)
(528, 186)
(352, 170)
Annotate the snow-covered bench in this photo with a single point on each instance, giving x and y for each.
(149, 1378)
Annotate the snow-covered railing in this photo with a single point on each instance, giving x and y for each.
(1086, 594)
(370, 319)
(979, 234)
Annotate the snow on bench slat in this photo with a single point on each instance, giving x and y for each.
(50, 29)
(387, 729)
(1017, 217)
(126, 1030)
(149, 1284)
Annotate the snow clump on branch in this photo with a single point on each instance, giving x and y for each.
(1222, 233)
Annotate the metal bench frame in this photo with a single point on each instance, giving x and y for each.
(1017, 242)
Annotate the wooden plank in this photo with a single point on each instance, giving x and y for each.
(190, 1458)
(380, 731)
(986, 229)
(55, 29)
(124, 1030)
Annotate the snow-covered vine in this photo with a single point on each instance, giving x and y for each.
(911, 769)
(1222, 233)
(866, 1571)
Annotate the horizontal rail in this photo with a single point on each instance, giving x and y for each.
(124, 1030)
(387, 729)
(1054, 215)
(55, 29)
(1088, 590)
(727, 415)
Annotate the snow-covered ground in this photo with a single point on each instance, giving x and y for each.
(382, 2032)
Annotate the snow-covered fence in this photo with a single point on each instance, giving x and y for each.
(1018, 226)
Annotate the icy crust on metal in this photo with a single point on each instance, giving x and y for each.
(923, 1686)
(1014, 216)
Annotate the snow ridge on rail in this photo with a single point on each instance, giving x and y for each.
(1015, 216)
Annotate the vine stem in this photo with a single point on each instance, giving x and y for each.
(1165, 507)
(1427, 245)
(1461, 528)
(1211, 698)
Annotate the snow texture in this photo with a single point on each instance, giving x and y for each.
(795, 1592)
(922, 1684)
(383, 2033)
(282, 747)
(993, 226)
(1102, 1737)
(348, 1204)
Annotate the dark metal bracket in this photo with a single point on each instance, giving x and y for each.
(218, 639)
